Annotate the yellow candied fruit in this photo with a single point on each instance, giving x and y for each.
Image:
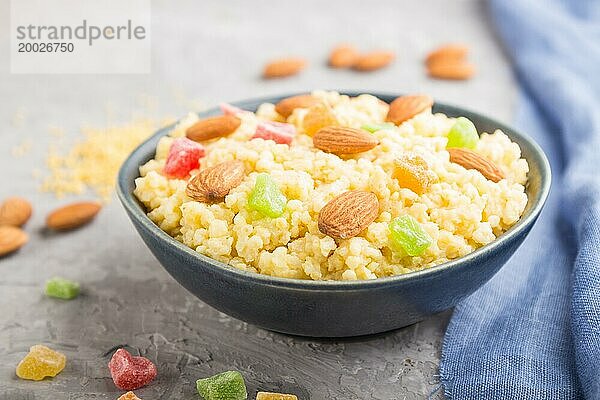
(129, 396)
(275, 396)
(41, 362)
(318, 116)
(412, 172)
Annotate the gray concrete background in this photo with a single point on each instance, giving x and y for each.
(208, 52)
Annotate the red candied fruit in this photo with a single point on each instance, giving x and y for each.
(129, 372)
(228, 109)
(278, 132)
(183, 157)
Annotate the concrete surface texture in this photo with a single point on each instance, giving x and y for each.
(211, 51)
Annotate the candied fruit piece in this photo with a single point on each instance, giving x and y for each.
(62, 288)
(228, 385)
(278, 132)
(41, 362)
(412, 172)
(407, 233)
(463, 134)
(129, 372)
(275, 396)
(377, 127)
(229, 109)
(318, 116)
(129, 396)
(183, 157)
(266, 197)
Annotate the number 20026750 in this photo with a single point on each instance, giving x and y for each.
(46, 47)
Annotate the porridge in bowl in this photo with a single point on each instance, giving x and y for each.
(330, 187)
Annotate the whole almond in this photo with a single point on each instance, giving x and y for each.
(213, 127)
(374, 60)
(72, 216)
(283, 67)
(286, 106)
(343, 56)
(15, 211)
(471, 160)
(406, 107)
(348, 214)
(11, 239)
(342, 140)
(449, 52)
(214, 183)
(455, 70)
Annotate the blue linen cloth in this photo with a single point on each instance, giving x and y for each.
(533, 331)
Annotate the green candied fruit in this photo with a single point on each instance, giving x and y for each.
(228, 385)
(266, 197)
(408, 234)
(62, 288)
(463, 134)
(376, 127)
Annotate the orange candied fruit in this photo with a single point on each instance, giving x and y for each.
(275, 396)
(318, 116)
(129, 396)
(412, 172)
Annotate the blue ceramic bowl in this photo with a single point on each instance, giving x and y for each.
(336, 308)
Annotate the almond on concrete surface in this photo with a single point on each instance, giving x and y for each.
(374, 60)
(472, 160)
(15, 211)
(452, 70)
(284, 67)
(405, 107)
(213, 184)
(342, 140)
(348, 214)
(343, 56)
(12, 239)
(213, 127)
(448, 52)
(73, 215)
(286, 106)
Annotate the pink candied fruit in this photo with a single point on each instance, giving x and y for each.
(183, 157)
(228, 109)
(278, 132)
(129, 372)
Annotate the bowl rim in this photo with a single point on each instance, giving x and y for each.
(135, 209)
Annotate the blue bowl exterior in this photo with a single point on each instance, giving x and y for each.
(335, 309)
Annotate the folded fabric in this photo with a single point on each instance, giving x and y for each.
(533, 331)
